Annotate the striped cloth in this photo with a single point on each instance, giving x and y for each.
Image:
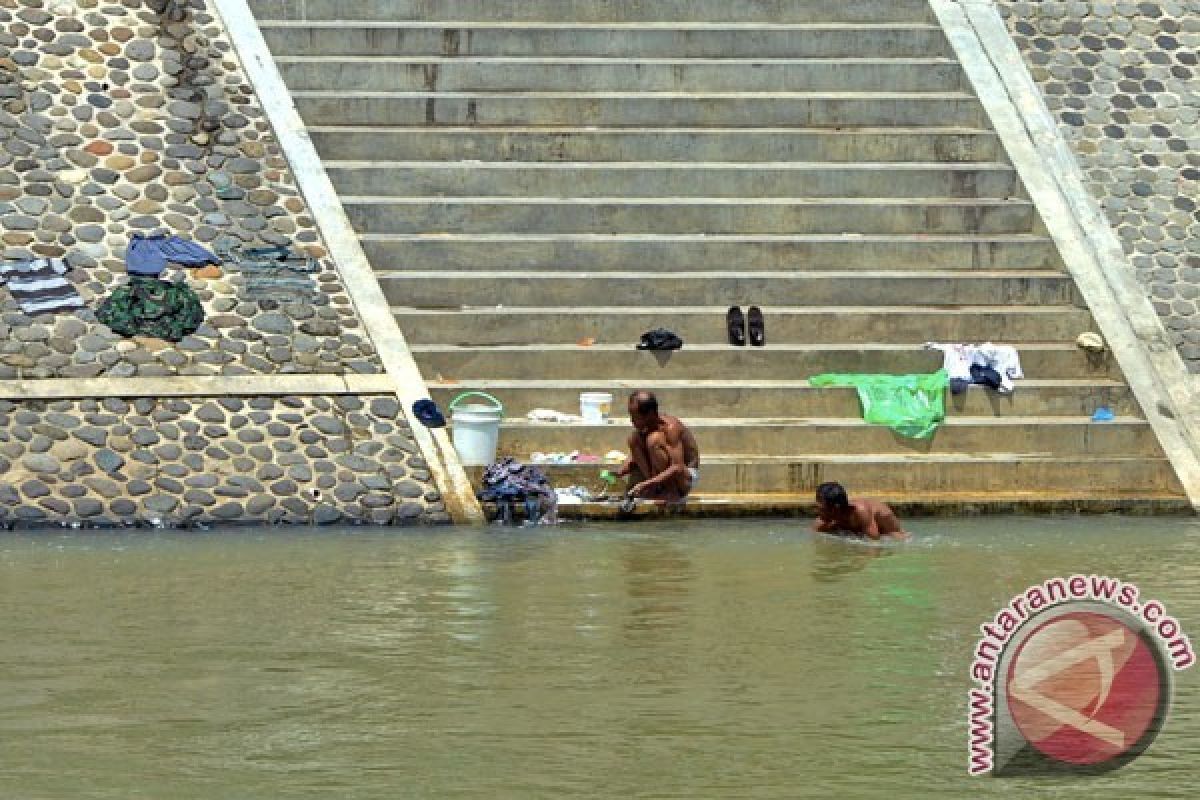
(38, 285)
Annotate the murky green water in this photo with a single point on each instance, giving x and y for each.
(740, 659)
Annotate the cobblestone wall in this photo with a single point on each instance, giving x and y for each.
(127, 116)
(1123, 80)
(119, 116)
(195, 461)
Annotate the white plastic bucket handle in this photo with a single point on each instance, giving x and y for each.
(498, 405)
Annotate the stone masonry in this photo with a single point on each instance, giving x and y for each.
(124, 116)
(119, 117)
(1123, 80)
(190, 461)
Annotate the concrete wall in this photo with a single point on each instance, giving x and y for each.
(119, 116)
(1123, 80)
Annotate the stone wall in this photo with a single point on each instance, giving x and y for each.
(119, 117)
(1123, 80)
(124, 116)
(184, 461)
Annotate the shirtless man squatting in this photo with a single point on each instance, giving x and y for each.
(664, 460)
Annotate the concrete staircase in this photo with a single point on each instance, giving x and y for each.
(527, 175)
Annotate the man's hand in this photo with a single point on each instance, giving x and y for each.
(639, 489)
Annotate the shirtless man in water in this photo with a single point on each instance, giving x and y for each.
(837, 513)
(664, 460)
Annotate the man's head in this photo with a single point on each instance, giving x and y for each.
(643, 411)
(832, 500)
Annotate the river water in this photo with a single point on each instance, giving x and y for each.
(665, 660)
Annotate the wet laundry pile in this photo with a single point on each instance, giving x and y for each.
(994, 365)
(39, 285)
(508, 482)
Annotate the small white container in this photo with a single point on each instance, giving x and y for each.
(595, 407)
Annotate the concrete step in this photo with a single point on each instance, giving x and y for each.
(908, 505)
(909, 474)
(588, 11)
(706, 324)
(649, 290)
(727, 363)
(683, 40)
(682, 145)
(1065, 436)
(604, 74)
(706, 215)
(573, 253)
(794, 398)
(676, 179)
(640, 109)
(509, 163)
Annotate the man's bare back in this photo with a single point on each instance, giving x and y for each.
(837, 513)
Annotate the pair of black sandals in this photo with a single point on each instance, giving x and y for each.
(745, 327)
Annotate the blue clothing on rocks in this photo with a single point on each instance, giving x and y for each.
(148, 255)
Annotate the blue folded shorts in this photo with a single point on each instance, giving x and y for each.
(148, 255)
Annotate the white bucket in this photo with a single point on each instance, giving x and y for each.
(476, 429)
(595, 407)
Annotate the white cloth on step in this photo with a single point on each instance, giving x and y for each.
(1004, 359)
(956, 359)
(550, 415)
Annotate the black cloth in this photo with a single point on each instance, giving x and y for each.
(985, 375)
(660, 339)
(428, 413)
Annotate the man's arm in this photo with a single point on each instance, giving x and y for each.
(870, 528)
(632, 443)
(673, 437)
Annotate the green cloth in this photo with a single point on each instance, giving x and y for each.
(150, 307)
(911, 405)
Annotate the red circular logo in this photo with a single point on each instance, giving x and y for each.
(1085, 688)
